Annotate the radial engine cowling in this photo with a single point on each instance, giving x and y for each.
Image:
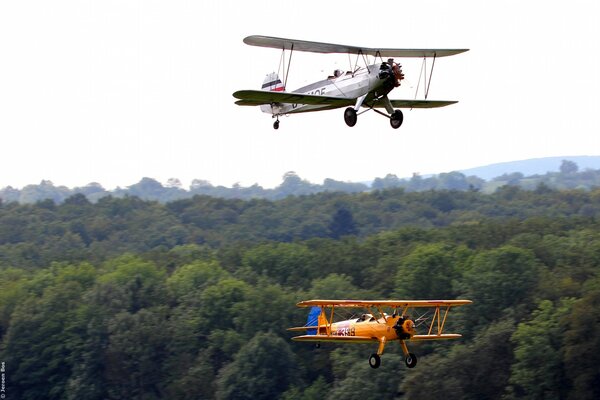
(405, 328)
(392, 72)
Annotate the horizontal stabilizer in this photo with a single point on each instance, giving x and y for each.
(302, 328)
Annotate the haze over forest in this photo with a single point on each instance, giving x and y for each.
(581, 172)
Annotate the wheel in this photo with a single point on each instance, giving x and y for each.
(276, 124)
(350, 116)
(396, 119)
(410, 360)
(374, 360)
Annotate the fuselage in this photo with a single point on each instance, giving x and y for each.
(350, 85)
(370, 326)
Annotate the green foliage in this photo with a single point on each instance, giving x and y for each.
(496, 281)
(125, 298)
(262, 369)
(364, 383)
(582, 346)
(429, 271)
(538, 371)
(479, 370)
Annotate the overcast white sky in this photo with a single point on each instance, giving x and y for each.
(113, 91)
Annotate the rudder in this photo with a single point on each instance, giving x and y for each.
(272, 83)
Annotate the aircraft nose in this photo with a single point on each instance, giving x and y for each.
(405, 328)
(385, 71)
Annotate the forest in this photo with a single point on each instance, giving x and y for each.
(568, 176)
(190, 299)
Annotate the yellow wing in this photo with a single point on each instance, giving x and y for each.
(333, 338)
(383, 303)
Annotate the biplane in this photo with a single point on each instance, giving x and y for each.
(376, 326)
(360, 87)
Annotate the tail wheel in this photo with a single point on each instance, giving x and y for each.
(396, 119)
(410, 360)
(350, 116)
(374, 360)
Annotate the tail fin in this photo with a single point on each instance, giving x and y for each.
(272, 83)
(315, 318)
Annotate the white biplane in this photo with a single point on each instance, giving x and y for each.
(361, 87)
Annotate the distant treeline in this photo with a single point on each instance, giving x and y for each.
(569, 177)
(133, 299)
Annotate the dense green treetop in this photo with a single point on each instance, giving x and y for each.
(130, 298)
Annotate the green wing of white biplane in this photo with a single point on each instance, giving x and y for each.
(259, 97)
(417, 103)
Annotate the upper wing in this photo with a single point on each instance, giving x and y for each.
(258, 97)
(318, 47)
(384, 303)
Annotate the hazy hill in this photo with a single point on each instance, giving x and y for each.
(581, 172)
(534, 166)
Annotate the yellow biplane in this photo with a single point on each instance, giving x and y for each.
(377, 327)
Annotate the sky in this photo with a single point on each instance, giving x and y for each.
(113, 91)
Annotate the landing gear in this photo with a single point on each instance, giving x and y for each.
(374, 361)
(410, 360)
(350, 116)
(276, 124)
(396, 119)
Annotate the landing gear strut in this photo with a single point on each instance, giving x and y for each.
(350, 116)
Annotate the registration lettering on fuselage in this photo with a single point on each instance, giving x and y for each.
(316, 92)
(344, 331)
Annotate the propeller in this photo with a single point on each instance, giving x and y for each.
(405, 328)
(392, 71)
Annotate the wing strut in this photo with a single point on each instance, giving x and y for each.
(287, 73)
(430, 75)
(426, 84)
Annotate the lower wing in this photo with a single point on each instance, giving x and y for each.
(332, 338)
(436, 337)
(260, 97)
(416, 103)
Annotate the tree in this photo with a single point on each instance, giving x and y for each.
(263, 369)
(342, 224)
(582, 347)
(38, 345)
(496, 280)
(428, 272)
(291, 264)
(365, 383)
(135, 354)
(479, 370)
(568, 167)
(538, 371)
